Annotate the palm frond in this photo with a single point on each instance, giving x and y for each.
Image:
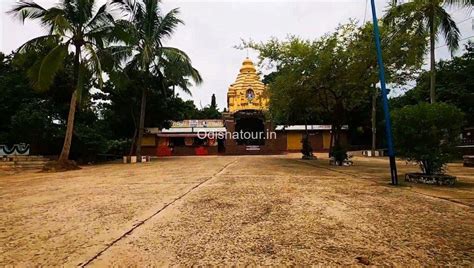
(94, 64)
(177, 69)
(101, 19)
(175, 52)
(78, 11)
(166, 25)
(118, 54)
(38, 41)
(128, 6)
(124, 31)
(196, 76)
(55, 19)
(449, 28)
(26, 9)
(43, 72)
(460, 3)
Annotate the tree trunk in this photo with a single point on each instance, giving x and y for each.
(134, 139)
(374, 120)
(141, 126)
(306, 129)
(64, 156)
(135, 132)
(331, 140)
(433, 58)
(337, 140)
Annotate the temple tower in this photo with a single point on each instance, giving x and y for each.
(247, 92)
(247, 103)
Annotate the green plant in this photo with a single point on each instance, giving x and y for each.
(73, 25)
(428, 134)
(432, 17)
(307, 150)
(339, 153)
(143, 34)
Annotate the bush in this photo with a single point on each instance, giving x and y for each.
(339, 153)
(428, 134)
(306, 150)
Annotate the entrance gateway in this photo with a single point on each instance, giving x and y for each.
(247, 105)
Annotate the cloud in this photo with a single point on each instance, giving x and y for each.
(213, 27)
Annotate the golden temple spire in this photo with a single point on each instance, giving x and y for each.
(247, 92)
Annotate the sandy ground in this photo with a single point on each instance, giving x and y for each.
(234, 210)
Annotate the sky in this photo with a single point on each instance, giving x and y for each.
(214, 27)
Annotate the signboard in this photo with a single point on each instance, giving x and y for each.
(193, 123)
(198, 123)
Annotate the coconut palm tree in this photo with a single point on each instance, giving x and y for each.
(74, 26)
(429, 16)
(178, 73)
(145, 30)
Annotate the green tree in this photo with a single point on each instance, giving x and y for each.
(178, 72)
(213, 101)
(428, 16)
(403, 52)
(455, 85)
(144, 34)
(328, 79)
(72, 24)
(428, 134)
(320, 77)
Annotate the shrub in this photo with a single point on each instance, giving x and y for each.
(428, 134)
(339, 153)
(306, 150)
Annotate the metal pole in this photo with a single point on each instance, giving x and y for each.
(388, 124)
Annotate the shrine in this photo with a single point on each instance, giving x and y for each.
(244, 129)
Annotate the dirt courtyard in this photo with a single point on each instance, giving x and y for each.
(245, 210)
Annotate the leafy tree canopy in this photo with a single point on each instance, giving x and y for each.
(455, 85)
(428, 134)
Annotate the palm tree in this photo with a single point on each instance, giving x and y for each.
(144, 32)
(73, 26)
(429, 16)
(178, 72)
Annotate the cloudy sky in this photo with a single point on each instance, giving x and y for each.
(213, 28)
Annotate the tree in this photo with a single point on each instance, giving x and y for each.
(144, 34)
(455, 85)
(72, 24)
(428, 134)
(428, 16)
(328, 79)
(403, 52)
(213, 101)
(178, 72)
(320, 78)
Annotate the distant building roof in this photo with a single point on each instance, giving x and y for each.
(310, 127)
(185, 127)
(216, 126)
(193, 130)
(190, 126)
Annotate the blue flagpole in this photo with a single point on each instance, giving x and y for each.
(388, 124)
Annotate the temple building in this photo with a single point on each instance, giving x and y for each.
(244, 128)
(247, 92)
(247, 102)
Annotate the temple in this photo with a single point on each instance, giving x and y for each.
(247, 92)
(247, 102)
(244, 128)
